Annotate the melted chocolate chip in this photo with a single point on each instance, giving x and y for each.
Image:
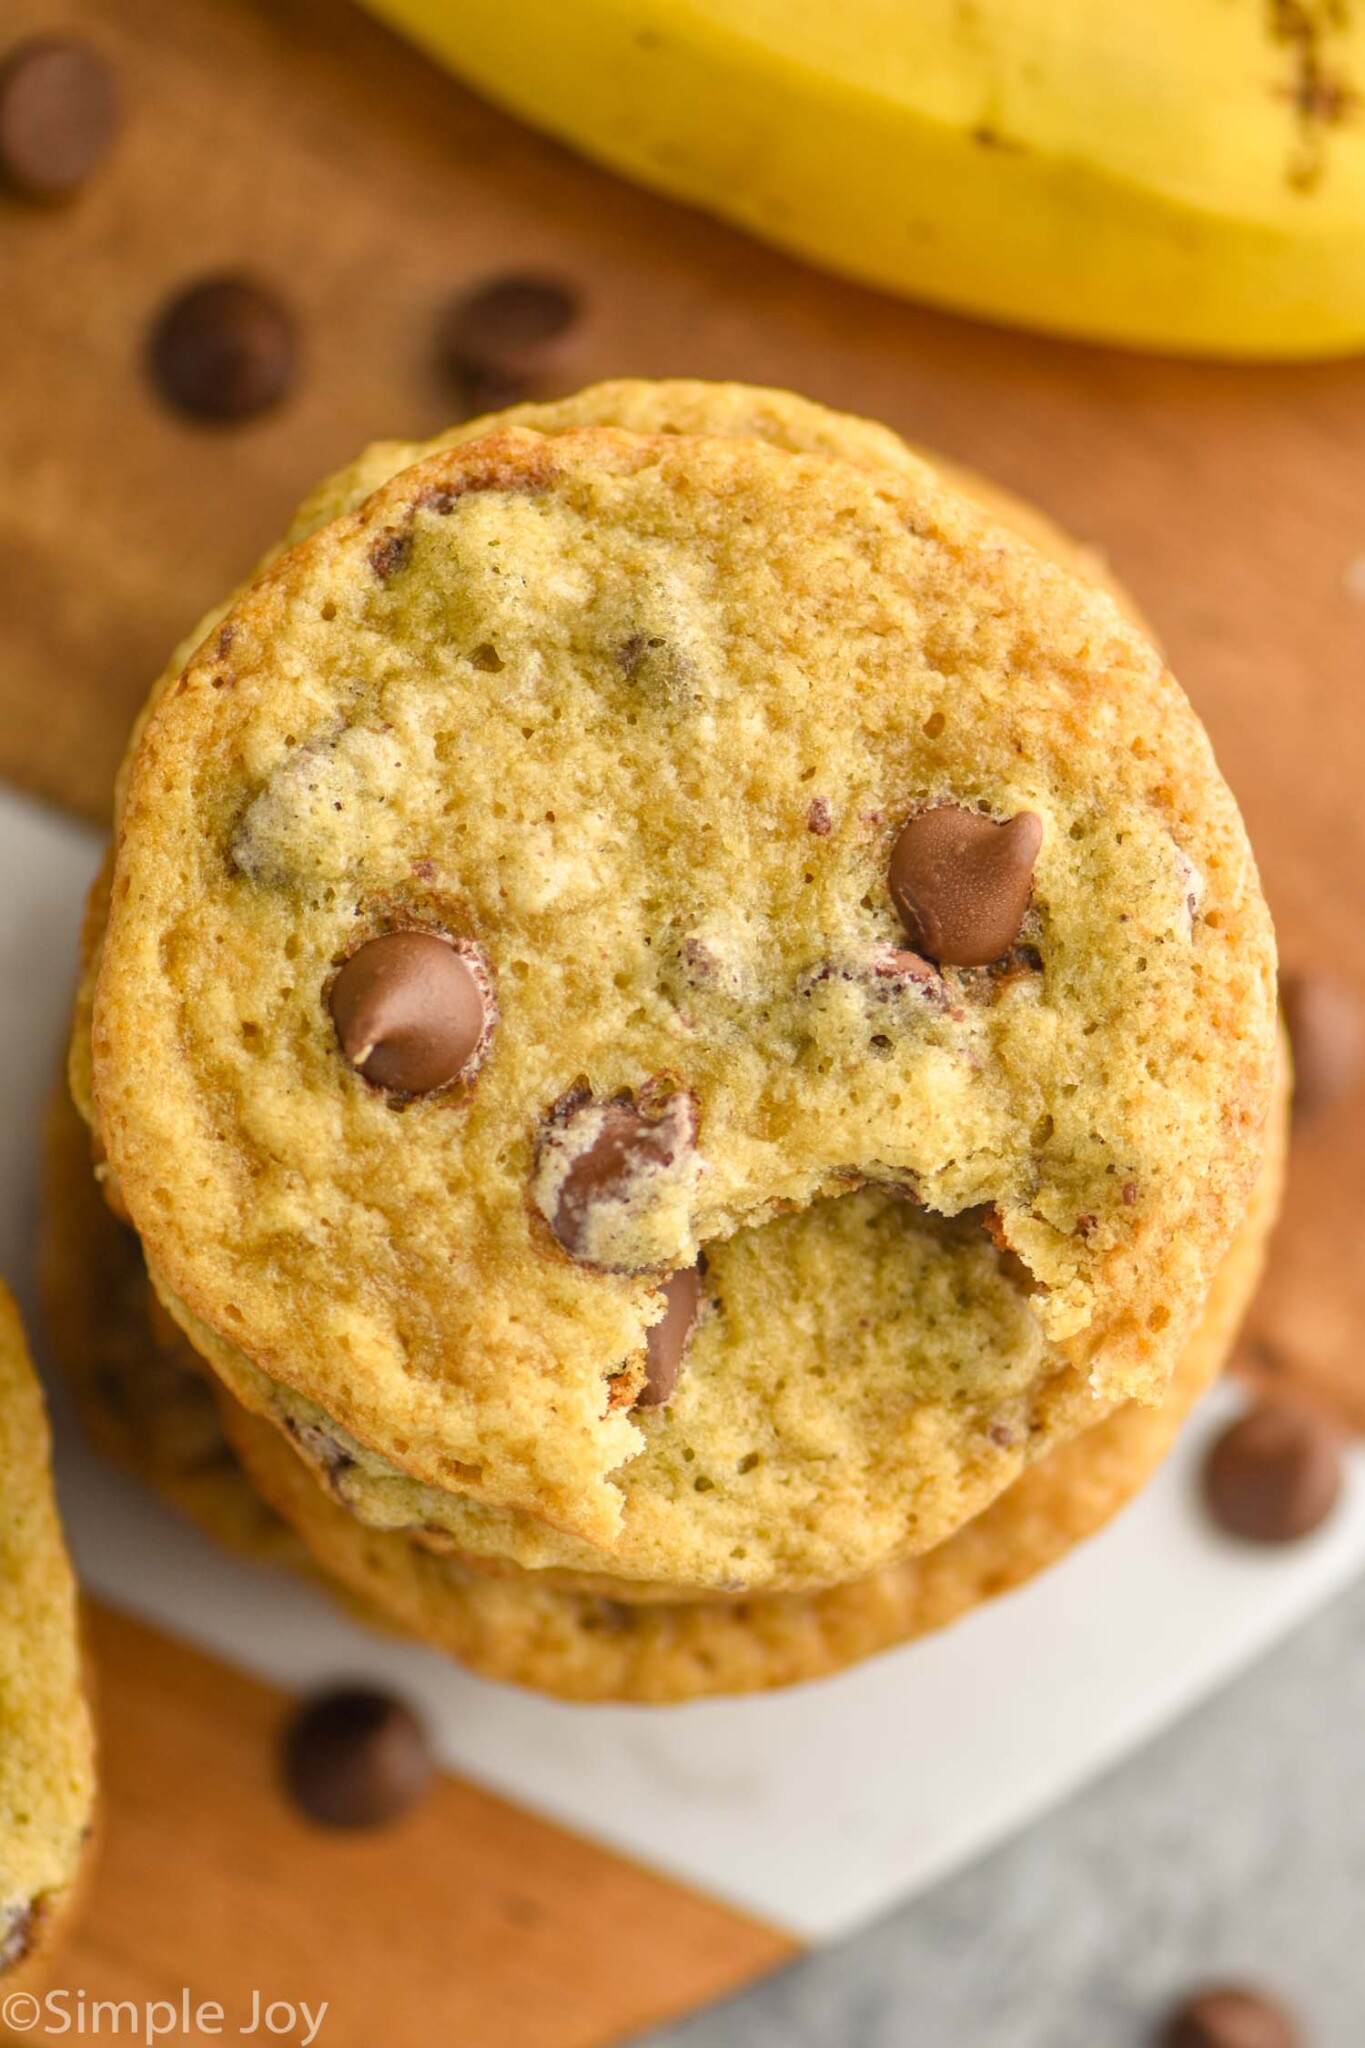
(1274, 1475)
(629, 1150)
(961, 882)
(668, 1339)
(896, 965)
(389, 553)
(656, 667)
(58, 114)
(412, 1012)
(16, 1934)
(1231, 2016)
(330, 1461)
(635, 650)
(356, 1759)
(888, 975)
(1326, 1037)
(224, 349)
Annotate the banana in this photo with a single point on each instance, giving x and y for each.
(1182, 175)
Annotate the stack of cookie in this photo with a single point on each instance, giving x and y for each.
(47, 1760)
(681, 1026)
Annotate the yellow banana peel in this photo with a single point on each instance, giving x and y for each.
(1186, 175)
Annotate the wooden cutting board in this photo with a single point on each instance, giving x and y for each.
(298, 140)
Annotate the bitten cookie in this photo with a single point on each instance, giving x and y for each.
(785, 421)
(598, 1649)
(1076, 1086)
(793, 1266)
(518, 1629)
(47, 1751)
(826, 1351)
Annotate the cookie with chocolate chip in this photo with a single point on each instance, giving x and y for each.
(47, 1765)
(592, 1646)
(143, 1396)
(607, 789)
(678, 407)
(864, 1288)
(584, 1647)
(818, 1365)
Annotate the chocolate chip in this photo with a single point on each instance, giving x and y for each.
(330, 1461)
(610, 1164)
(413, 1011)
(506, 335)
(224, 349)
(1325, 1034)
(895, 964)
(656, 667)
(356, 1759)
(389, 553)
(634, 650)
(961, 882)
(1274, 1475)
(58, 114)
(1231, 2016)
(668, 1339)
(625, 1143)
(16, 1934)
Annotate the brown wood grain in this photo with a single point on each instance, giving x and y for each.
(297, 139)
(467, 1921)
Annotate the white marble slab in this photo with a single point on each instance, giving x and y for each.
(815, 1808)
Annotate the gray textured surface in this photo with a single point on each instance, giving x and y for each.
(1234, 1846)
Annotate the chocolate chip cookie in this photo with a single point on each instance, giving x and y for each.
(581, 1646)
(816, 1367)
(586, 1648)
(453, 1521)
(144, 1398)
(729, 987)
(47, 1762)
